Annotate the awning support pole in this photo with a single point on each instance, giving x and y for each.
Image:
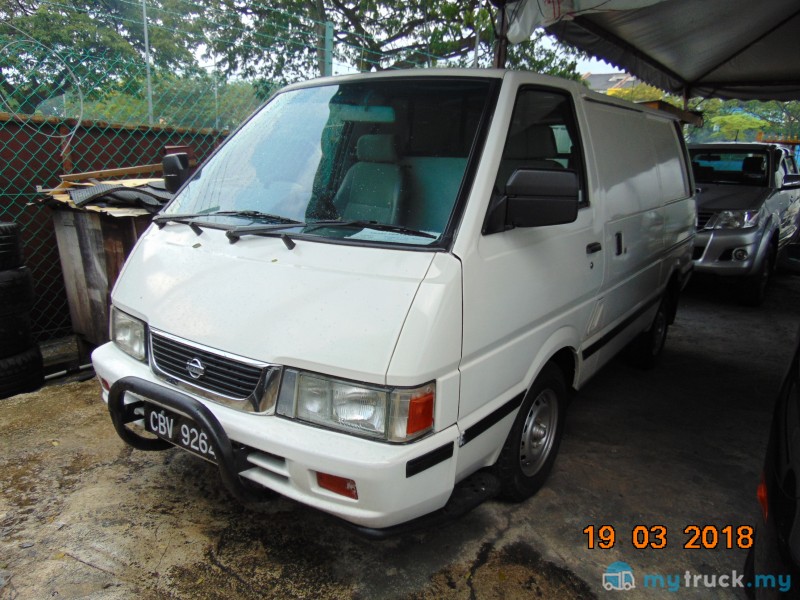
(501, 46)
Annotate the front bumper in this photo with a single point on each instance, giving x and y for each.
(395, 483)
(714, 252)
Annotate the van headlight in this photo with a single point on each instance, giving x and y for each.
(129, 334)
(389, 414)
(736, 219)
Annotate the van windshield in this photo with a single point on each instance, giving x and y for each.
(380, 152)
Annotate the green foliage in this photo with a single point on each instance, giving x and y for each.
(197, 102)
(737, 126)
(641, 92)
(50, 48)
(727, 120)
(59, 53)
(370, 36)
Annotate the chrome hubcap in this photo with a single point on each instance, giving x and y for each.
(538, 433)
(659, 331)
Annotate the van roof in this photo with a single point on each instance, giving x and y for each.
(576, 87)
(752, 146)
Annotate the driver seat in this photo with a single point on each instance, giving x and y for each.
(372, 189)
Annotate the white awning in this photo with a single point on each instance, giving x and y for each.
(713, 48)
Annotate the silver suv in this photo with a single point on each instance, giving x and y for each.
(747, 211)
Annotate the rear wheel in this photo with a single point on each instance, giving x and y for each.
(530, 450)
(646, 350)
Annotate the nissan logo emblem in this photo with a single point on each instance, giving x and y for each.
(195, 368)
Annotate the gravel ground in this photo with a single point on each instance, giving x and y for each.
(84, 516)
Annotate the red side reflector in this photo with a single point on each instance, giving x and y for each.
(338, 485)
(420, 413)
(761, 494)
(106, 386)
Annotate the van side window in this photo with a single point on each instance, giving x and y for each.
(542, 135)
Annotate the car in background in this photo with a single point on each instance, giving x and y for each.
(773, 562)
(748, 204)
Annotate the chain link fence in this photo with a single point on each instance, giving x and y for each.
(106, 128)
(72, 111)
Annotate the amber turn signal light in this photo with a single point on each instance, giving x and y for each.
(338, 485)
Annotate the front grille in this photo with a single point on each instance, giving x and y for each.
(223, 375)
(703, 217)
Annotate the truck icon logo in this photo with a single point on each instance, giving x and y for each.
(619, 576)
(195, 368)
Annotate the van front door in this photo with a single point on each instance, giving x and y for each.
(530, 291)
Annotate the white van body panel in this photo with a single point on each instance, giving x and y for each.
(321, 307)
(544, 292)
(429, 345)
(290, 453)
(477, 317)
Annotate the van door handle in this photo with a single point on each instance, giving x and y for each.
(593, 247)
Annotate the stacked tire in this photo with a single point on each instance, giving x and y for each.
(21, 368)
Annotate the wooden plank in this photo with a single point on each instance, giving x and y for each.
(106, 173)
(120, 172)
(692, 117)
(72, 267)
(91, 244)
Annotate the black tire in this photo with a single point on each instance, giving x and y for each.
(754, 288)
(10, 246)
(15, 334)
(646, 350)
(749, 572)
(16, 291)
(21, 373)
(530, 450)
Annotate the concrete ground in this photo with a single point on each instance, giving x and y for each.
(84, 516)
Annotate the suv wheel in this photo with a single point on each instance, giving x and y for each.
(754, 288)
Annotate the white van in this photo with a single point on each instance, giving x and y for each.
(376, 296)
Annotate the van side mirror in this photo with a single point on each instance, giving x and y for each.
(791, 180)
(176, 171)
(535, 198)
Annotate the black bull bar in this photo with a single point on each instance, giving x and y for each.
(467, 494)
(230, 461)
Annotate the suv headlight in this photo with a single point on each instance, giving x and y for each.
(129, 334)
(736, 219)
(382, 413)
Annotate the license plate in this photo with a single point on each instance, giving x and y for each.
(178, 430)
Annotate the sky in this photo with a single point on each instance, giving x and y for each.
(593, 65)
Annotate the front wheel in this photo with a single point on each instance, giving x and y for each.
(531, 447)
(754, 288)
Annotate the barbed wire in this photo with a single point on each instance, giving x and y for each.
(4, 50)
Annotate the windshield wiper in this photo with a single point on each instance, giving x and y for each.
(371, 225)
(257, 214)
(235, 233)
(189, 219)
(274, 229)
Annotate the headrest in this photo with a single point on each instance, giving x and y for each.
(376, 148)
(753, 164)
(537, 141)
